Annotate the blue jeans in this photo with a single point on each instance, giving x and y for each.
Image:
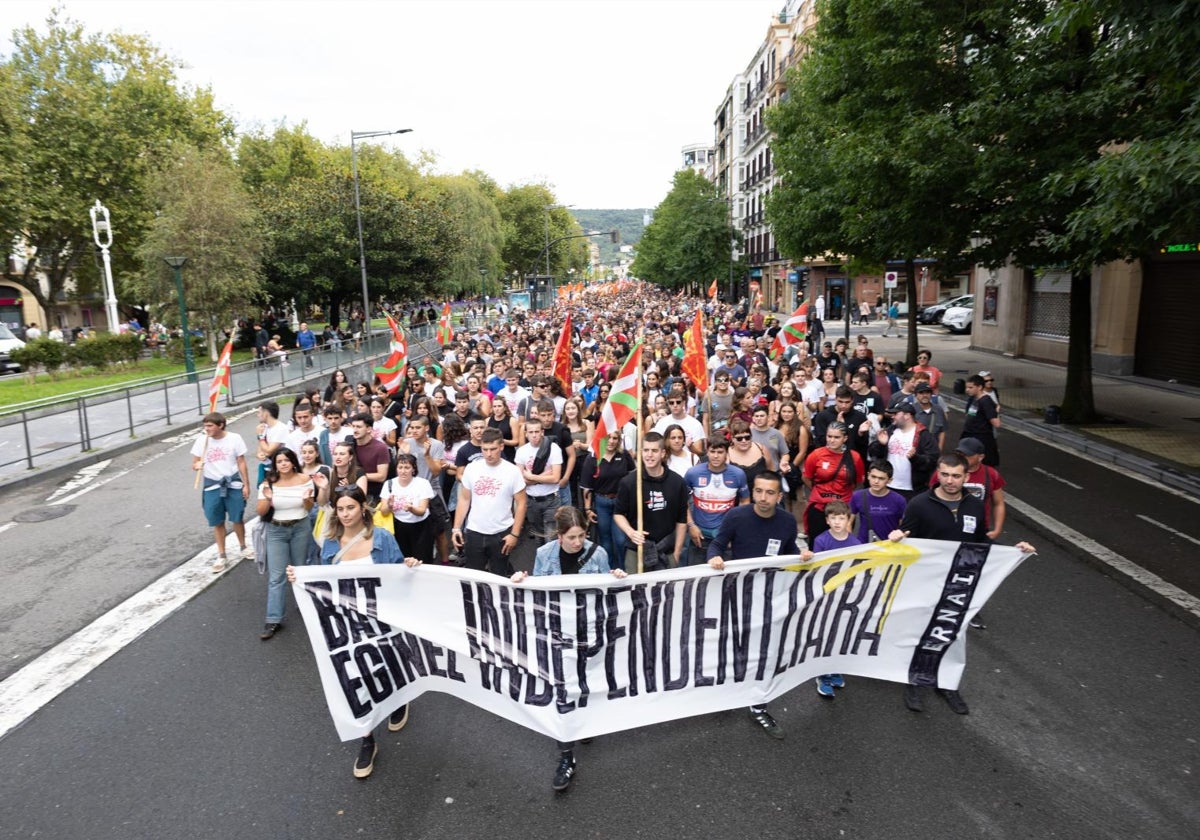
(698, 556)
(287, 545)
(611, 538)
(564, 495)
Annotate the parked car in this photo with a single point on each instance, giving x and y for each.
(958, 319)
(933, 314)
(8, 343)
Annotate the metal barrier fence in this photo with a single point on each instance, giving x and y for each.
(47, 432)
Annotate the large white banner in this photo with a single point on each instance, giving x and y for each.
(583, 655)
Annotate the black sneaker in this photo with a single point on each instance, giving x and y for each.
(955, 701)
(269, 631)
(398, 719)
(912, 698)
(768, 724)
(364, 765)
(566, 770)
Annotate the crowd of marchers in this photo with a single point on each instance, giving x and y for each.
(522, 438)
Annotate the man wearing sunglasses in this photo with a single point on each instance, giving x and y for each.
(693, 429)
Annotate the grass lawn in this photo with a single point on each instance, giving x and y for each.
(18, 389)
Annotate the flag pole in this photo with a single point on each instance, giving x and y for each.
(641, 505)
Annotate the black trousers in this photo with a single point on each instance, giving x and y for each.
(483, 552)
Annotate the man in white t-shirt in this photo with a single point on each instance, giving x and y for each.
(305, 429)
(512, 393)
(272, 435)
(541, 480)
(491, 506)
(222, 457)
(693, 429)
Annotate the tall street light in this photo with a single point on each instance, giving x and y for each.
(362, 252)
(550, 207)
(102, 235)
(189, 359)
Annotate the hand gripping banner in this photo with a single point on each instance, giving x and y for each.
(582, 655)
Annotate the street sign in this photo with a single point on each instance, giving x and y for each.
(890, 279)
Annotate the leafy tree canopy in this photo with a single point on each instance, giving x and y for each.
(687, 243)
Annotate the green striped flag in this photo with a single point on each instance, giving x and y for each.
(622, 402)
(793, 332)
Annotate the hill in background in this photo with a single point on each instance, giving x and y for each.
(628, 222)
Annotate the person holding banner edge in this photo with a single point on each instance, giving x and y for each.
(945, 512)
(760, 529)
(571, 553)
(353, 538)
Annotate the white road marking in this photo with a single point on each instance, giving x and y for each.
(1125, 472)
(52, 673)
(1166, 527)
(1057, 478)
(6, 526)
(177, 442)
(80, 479)
(1106, 555)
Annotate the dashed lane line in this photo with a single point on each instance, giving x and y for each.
(1108, 557)
(1167, 527)
(1049, 474)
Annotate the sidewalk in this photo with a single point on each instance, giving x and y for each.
(1151, 427)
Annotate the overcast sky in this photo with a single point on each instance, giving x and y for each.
(595, 98)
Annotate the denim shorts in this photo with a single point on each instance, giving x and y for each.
(217, 509)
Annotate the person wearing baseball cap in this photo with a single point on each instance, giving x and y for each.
(909, 448)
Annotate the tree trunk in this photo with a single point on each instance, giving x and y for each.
(1078, 402)
(910, 287)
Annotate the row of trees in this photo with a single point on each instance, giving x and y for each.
(1054, 133)
(690, 240)
(263, 217)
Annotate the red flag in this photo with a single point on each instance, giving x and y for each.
(622, 402)
(444, 333)
(391, 372)
(220, 383)
(562, 356)
(793, 332)
(712, 291)
(695, 359)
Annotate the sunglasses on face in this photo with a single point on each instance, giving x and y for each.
(741, 438)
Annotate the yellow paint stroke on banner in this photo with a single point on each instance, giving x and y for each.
(865, 558)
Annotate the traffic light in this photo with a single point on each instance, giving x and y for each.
(615, 235)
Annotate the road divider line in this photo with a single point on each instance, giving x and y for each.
(1126, 568)
(1049, 474)
(52, 673)
(82, 478)
(1166, 527)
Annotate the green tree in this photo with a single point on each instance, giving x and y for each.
(91, 117)
(687, 243)
(523, 212)
(871, 142)
(476, 223)
(206, 215)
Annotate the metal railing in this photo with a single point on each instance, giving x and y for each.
(46, 432)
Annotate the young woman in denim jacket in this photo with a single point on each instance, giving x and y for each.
(571, 553)
(353, 538)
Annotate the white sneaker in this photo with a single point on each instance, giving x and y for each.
(218, 565)
(247, 553)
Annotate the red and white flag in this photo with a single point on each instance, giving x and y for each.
(622, 402)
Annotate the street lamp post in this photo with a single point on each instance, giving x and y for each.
(189, 359)
(550, 207)
(362, 251)
(483, 287)
(102, 235)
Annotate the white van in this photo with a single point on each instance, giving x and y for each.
(8, 343)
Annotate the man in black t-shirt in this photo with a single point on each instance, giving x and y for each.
(664, 506)
(981, 419)
(945, 512)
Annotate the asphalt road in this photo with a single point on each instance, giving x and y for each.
(1083, 721)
